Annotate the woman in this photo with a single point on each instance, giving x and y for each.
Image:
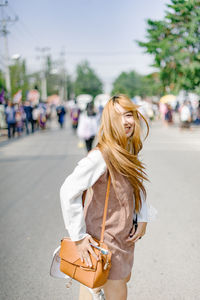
(116, 154)
(88, 127)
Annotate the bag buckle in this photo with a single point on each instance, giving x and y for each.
(106, 265)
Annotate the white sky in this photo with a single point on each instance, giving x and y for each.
(101, 31)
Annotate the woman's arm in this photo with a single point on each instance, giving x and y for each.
(142, 216)
(142, 219)
(147, 214)
(86, 173)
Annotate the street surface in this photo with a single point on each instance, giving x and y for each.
(167, 259)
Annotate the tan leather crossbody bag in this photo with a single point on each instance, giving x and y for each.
(72, 266)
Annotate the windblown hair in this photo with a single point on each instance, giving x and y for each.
(121, 153)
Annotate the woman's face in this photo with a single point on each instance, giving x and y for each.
(127, 119)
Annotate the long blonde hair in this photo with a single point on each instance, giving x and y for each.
(121, 153)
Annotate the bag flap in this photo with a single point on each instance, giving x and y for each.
(68, 252)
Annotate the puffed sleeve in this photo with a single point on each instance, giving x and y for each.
(147, 212)
(86, 173)
(142, 216)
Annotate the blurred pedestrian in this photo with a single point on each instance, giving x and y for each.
(116, 155)
(191, 108)
(11, 119)
(88, 126)
(29, 117)
(36, 115)
(48, 114)
(177, 106)
(20, 117)
(74, 114)
(42, 116)
(2, 117)
(168, 115)
(185, 115)
(61, 115)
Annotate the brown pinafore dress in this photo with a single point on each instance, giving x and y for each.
(119, 222)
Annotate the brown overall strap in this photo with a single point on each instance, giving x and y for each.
(105, 209)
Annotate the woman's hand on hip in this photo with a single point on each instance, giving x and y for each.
(141, 230)
(84, 248)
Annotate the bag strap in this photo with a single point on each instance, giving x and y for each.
(105, 209)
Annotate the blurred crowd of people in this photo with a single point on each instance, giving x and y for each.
(20, 118)
(25, 118)
(182, 114)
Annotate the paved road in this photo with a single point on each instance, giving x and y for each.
(167, 260)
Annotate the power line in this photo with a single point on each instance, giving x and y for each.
(102, 53)
(23, 26)
(109, 63)
(17, 38)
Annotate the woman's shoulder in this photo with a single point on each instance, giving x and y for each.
(94, 158)
(95, 154)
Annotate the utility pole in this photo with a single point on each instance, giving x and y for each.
(63, 82)
(4, 32)
(43, 56)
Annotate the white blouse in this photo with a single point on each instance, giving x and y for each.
(86, 173)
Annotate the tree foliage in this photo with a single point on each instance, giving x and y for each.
(87, 82)
(150, 85)
(19, 78)
(132, 84)
(175, 44)
(2, 81)
(70, 87)
(127, 83)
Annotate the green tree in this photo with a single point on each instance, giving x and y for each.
(151, 85)
(87, 82)
(175, 44)
(2, 81)
(19, 78)
(128, 83)
(134, 84)
(70, 87)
